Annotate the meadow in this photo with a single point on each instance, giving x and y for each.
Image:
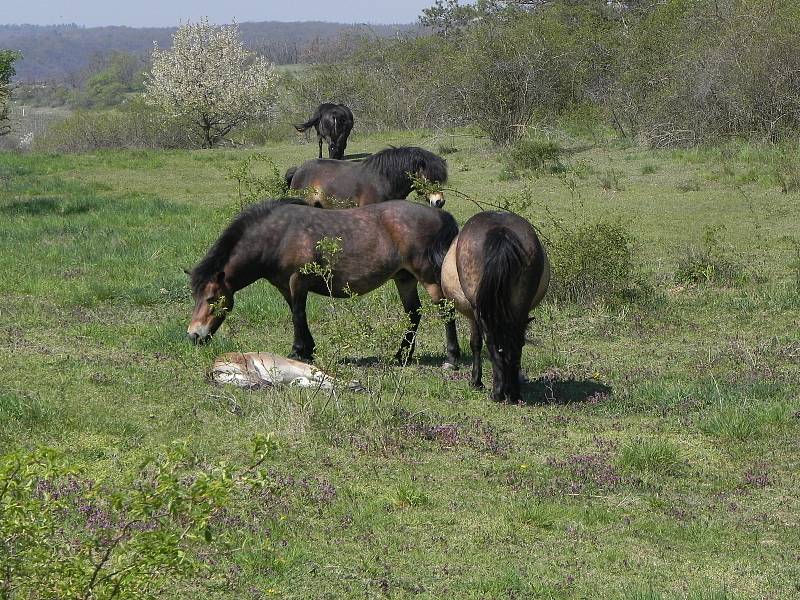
(655, 457)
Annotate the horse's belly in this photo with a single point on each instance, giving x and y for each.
(451, 285)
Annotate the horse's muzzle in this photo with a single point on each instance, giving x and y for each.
(197, 339)
(436, 200)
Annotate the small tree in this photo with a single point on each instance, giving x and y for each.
(7, 58)
(209, 79)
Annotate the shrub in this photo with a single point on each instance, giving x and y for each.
(132, 126)
(594, 261)
(251, 187)
(709, 262)
(65, 536)
(535, 155)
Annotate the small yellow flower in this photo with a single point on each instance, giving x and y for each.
(523, 466)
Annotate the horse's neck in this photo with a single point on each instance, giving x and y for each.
(243, 268)
(398, 190)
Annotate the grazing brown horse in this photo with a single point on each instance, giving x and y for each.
(333, 123)
(496, 271)
(382, 176)
(274, 240)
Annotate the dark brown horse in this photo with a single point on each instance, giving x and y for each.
(403, 241)
(382, 176)
(496, 271)
(333, 123)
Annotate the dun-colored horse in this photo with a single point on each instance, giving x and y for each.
(402, 241)
(496, 271)
(379, 177)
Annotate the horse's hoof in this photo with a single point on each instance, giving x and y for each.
(301, 357)
(478, 386)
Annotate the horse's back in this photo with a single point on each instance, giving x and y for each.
(487, 235)
(320, 172)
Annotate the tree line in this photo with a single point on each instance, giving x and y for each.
(667, 72)
(674, 72)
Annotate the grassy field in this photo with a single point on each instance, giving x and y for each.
(657, 455)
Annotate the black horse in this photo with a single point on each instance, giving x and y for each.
(333, 123)
(382, 176)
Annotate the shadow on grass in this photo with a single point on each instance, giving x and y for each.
(547, 390)
(428, 360)
(44, 206)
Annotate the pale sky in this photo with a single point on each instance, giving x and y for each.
(160, 13)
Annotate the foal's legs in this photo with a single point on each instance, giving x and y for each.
(303, 345)
(319, 139)
(407, 288)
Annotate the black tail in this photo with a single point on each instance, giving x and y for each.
(441, 243)
(289, 176)
(503, 265)
(310, 123)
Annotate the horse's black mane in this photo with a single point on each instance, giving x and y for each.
(394, 163)
(217, 257)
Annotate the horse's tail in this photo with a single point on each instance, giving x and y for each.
(504, 261)
(440, 244)
(301, 127)
(289, 176)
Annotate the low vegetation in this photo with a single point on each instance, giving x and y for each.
(655, 453)
(654, 457)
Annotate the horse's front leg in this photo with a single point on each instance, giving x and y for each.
(407, 288)
(303, 345)
(319, 139)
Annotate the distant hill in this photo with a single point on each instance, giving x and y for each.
(54, 53)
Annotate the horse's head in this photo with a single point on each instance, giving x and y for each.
(334, 151)
(433, 169)
(213, 299)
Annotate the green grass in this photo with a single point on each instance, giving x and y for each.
(629, 474)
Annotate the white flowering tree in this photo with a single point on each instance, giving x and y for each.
(210, 80)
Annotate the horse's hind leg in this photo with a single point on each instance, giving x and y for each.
(407, 288)
(505, 371)
(319, 139)
(303, 345)
(451, 337)
(476, 345)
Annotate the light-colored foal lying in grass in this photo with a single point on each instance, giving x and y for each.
(256, 369)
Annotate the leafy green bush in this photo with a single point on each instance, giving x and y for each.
(252, 187)
(65, 536)
(594, 261)
(536, 155)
